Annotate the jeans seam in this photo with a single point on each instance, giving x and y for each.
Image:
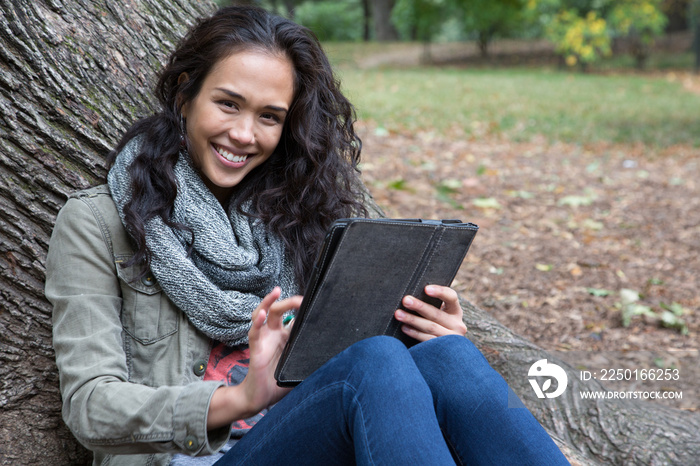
(365, 439)
(456, 457)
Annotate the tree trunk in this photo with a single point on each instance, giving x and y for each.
(291, 8)
(366, 20)
(73, 75)
(696, 44)
(694, 14)
(384, 30)
(483, 40)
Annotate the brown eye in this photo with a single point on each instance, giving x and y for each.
(228, 104)
(271, 117)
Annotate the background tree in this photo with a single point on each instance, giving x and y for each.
(420, 20)
(489, 19)
(384, 30)
(694, 14)
(484, 20)
(333, 20)
(677, 12)
(284, 7)
(580, 40)
(642, 21)
(582, 30)
(74, 75)
(367, 18)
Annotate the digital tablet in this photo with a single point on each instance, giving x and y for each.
(363, 271)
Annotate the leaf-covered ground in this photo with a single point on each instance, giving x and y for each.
(574, 240)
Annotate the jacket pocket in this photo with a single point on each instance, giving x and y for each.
(147, 315)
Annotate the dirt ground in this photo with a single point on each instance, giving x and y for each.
(564, 229)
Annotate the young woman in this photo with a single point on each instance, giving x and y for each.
(170, 283)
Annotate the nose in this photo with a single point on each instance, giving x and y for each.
(243, 130)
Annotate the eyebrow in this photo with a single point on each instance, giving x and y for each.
(238, 96)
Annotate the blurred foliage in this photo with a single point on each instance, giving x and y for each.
(482, 20)
(332, 20)
(642, 21)
(579, 39)
(640, 18)
(583, 31)
(489, 19)
(420, 19)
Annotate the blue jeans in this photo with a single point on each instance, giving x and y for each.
(438, 403)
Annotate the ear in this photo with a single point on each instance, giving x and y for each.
(183, 78)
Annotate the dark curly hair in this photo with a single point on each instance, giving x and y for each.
(310, 179)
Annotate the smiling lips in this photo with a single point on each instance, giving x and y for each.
(233, 158)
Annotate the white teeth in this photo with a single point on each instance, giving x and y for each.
(231, 157)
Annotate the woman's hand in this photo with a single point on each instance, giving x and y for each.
(266, 339)
(432, 322)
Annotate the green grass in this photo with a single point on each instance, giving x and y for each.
(521, 103)
(348, 54)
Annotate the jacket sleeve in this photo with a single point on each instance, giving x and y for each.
(106, 412)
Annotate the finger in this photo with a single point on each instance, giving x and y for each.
(420, 324)
(447, 295)
(432, 320)
(279, 308)
(267, 301)
(271, 297)
(425, 310)
(257, 323)
(415, 333)
(261, 311)
(287, 304)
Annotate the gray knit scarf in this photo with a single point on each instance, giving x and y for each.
(235, 259)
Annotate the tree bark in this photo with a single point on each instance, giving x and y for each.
(74, 74)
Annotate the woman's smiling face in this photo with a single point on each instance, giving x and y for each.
(235, 122)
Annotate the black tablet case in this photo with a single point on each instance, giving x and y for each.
(365, 268)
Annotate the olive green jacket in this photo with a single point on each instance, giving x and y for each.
(130, 363)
